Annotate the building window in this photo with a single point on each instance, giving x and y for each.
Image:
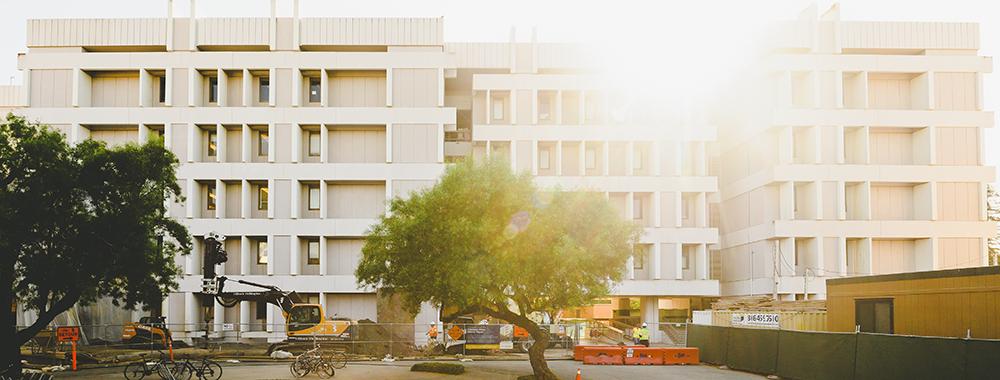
(685, 208)
(314, 94)
(591, 158)
(497, 109)
(262, 198)
(264, 90)
(637, 208)
(543, 159)
(637, 159)
(686, 260)
(261, 312)
(213, 143)
(544, 108)
(213, 89)
(874, 315)
(210, 197)
(638, 260)
(313, 197)
(163, 89)
(312, 254)
(314, 144)
(262, 142)
(262, 252)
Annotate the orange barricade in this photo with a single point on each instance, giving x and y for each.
(682, 355)
(580, 351)
(607, 355)
(644, 356)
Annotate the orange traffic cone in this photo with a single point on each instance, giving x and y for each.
(578, 377)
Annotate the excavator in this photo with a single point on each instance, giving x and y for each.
(304, 322)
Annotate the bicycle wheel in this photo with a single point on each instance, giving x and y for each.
(182, 371)
(165, 371)
(210, 370)
(135, 371)
(338, 360)
(299, 368)
(325, 370)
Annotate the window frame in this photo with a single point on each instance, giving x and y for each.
(213, 144)
(685, 260)
(210, 198)
(309, 198)
(263, 143)
(636, 208)
(265, 258)
(637, 159)
(638, 260)
(309, 252)
(264, 89)
(263, 199)
(162, 92)
(497, 111)
(261, 310)
(318, 145)
(590, 157)
(544, 164)
(317, 84)
(213, 89)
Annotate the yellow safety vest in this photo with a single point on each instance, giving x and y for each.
(644, 334)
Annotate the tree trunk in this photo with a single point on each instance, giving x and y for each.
(536, 353)
(10, 348)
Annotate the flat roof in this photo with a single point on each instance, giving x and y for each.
(963, 272)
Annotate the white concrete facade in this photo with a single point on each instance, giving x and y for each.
(867, 158)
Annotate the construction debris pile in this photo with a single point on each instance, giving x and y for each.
(766, 303)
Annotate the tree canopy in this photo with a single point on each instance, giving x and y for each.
(82, 222)
(487, 239)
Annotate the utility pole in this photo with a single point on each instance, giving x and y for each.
(776, 251)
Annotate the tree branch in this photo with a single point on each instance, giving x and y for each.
(44, 318)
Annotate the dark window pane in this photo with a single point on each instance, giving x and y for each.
(265, 90)
(314, 95)
(163, 89)
(213, 89)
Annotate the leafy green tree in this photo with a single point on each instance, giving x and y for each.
(80, 223)
(485, 239)
(993, 215)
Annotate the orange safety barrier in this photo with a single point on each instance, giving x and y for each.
(605, 355)
(680, 355)
(644, 356)
(580, 351)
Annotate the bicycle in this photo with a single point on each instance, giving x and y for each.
(337, 359)
(205, 369)
(140, 369)
(312, 361)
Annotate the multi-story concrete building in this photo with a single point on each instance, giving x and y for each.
(863, 156)
(294, 132)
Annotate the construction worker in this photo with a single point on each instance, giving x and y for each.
(635, 335)
(432, 334)
(644, 335)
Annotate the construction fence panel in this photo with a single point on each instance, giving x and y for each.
(812, 355)
(762, 357)
(881, 356)
(982, 360)
(711, 342)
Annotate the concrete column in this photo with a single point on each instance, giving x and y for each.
(388, 195)
(220, 143)
(817, 189)
(630, 158)
(630, 268)
(170, 32)
(270, 253)
(700, 210)
(932, 145)
(701, 262)
(388, 90)
(168, 136)
(223, 88)
(324, 88)
(513, 106)
(534, 106)
(324, 144)
(649, 308)
(270, 203)
(558, 159)
(143, 134)
(440, 143)
(190, 203)
(841, 155)
(219, 317)
(244, 316)
(296, 255)
(272, 142)
(581, 104)
(678, 199)
(194, 86)
(656, 158)
(269, 321)
(785, 145)
(295, 202)
(606, 165)
(440, 77)
(245, 259)
(786, 200)
(678, 261)
(193, 142)
(220, 199)
(168, 91)
(657, 261)
(296, 143)
(388, 143)
(191, 266)
(272, 77)
(193, 28)
(323, 207)
(489, 149)
(247, 91)
(145, 89)
(295, 24)
(489, 107)
(323, 251)
(244, 199)
(678, 153)
(190, 312)
(559, 108)
(842, 255)
(629, 206)
(296, 87)
(841, 200)
(534, 157)
(583, 158)
(245, 143)
(657, 211)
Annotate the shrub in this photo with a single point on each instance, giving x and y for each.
(448, 368)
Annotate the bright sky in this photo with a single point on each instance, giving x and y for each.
(698, 39)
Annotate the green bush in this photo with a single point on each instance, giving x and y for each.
(448, 368)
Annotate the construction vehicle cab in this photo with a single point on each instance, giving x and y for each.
(149, 330)
(308, 322)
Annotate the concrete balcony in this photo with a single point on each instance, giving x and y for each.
(883, 118)
(633, 288)
(332, 227)
(241, 115)
(495, 132)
